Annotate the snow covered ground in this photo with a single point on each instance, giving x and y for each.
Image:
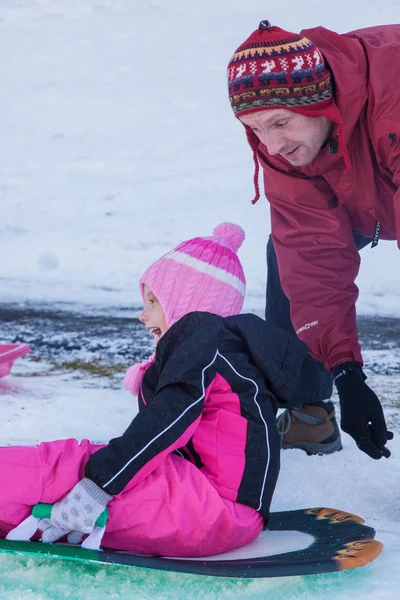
(40, 403)
(117, 143)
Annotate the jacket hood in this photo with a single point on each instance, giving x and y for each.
(347, 61)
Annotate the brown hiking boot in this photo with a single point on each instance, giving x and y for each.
(311, 427)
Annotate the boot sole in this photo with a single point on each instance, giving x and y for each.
(313, 448)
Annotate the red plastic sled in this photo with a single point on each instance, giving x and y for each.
(9, 353)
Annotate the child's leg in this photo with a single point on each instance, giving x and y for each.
(174, 511)
(177, 512)
(43, 473)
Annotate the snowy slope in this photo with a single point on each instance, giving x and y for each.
(44, 408)
(117, 143)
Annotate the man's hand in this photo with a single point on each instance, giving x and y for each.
(76, 514)
(361, 412)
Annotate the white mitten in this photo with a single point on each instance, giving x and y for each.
(76, 514)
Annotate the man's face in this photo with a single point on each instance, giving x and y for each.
(295, 137)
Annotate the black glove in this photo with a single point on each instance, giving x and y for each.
(361, 412)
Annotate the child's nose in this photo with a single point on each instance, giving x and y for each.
(143, 316)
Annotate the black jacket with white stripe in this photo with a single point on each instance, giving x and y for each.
(211, 396)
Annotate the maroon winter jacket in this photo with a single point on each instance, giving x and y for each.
(315, 209)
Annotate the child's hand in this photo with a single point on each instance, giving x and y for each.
(76, 514)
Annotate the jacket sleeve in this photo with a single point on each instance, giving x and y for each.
(318, 263)
(186, 363)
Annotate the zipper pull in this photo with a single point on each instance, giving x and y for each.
(333, 145)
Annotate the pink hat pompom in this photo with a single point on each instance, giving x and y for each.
(231, 233)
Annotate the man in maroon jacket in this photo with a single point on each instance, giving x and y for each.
(322, 116)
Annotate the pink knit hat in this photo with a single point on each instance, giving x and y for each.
(201, 274)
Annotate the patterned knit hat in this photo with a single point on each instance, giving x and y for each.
(202, 274)
(277, 69)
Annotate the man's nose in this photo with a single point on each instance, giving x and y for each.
(273, 141)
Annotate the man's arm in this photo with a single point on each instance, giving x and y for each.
(318, 264)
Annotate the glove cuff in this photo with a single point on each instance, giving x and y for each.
(95, 492)
(346, 368)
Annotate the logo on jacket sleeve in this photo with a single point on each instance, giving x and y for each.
(307, 326)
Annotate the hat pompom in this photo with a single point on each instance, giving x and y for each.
(231, 233)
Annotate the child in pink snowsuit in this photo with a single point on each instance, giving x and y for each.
(195, 471)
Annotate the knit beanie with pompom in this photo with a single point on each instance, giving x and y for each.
(201, 274)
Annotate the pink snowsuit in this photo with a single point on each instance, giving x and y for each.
(174, 511)
(195, 471)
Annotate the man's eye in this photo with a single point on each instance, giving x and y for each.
(281, 124)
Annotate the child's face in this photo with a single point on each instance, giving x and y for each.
(153, 315)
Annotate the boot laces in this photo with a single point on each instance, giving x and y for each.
(284, 422)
